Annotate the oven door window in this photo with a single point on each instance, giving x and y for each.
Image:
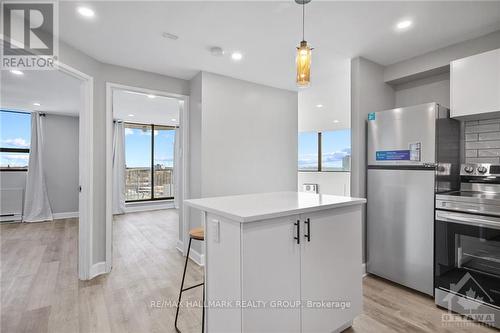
(468, 260)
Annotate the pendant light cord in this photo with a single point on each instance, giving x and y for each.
(303, 18)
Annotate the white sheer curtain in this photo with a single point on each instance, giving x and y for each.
(36, 200)
(118, 168)
(176, 164)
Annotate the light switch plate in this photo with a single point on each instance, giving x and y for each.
(215, 230)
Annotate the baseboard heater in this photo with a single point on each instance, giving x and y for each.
(11, 204)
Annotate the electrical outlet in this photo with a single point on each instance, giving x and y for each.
(215, 230)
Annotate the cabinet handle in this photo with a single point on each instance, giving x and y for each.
(298, 231)
(308, 235)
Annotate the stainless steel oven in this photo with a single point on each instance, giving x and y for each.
(467, 248)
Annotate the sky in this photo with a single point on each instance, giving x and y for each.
(138, 147)
(15, 130)
(335, 145)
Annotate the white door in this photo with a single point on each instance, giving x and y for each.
(271, 274)
(331, 269)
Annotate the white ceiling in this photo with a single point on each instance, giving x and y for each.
(56, 91)
(139, 108)
(130, 33)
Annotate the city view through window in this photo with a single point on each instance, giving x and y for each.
(15, 136)
(149, 159)
(325, 151)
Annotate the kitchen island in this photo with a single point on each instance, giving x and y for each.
(282, 262)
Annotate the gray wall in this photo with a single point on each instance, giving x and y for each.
(103, 73)
(369, 93)
(432, 89)
(195, 150)
(60, 150)
(440, 59)
(249, 137)
(61, 162)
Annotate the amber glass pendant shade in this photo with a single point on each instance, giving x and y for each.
(303, 64)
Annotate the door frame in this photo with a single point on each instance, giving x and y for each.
(86, 169)
(184, 153)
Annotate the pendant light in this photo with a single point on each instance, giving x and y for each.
(303, 59)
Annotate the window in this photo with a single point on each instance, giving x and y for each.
(149, 157)
(308, 151)
(325, 151)
(336, 150)
(15, 136)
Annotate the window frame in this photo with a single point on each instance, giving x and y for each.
(152, 126)
(319, 157)
(15, 150)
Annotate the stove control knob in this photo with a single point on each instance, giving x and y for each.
(482, 169)
(468, 168)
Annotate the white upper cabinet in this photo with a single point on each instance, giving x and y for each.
(475, 84)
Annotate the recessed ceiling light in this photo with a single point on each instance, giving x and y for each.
(151, 96)
(405, 24)
(335, 121)
(173, 119)
(236, 56)
(36, 104)
(16, 72)
(85, 12)
(130, 115)
(319, 105)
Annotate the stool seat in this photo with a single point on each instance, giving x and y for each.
(197, 233)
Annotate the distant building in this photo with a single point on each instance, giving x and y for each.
(346, 163)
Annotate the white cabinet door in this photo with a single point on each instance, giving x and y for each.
(271, 273)
(331, 269)
(475, 84)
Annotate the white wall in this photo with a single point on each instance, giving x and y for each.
(335, 183)
(332, 89)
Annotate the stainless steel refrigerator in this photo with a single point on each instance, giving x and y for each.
(412, 153)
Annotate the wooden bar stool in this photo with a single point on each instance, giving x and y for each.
(196, 234)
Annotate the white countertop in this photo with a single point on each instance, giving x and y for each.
(262, 206)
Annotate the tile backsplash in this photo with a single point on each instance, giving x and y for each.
(482, 141)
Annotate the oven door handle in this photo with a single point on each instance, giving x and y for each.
(474, 221)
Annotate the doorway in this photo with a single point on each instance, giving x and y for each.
(146, 155)
(58, 105)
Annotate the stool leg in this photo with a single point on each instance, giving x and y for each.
(182, 286)
(203, 309)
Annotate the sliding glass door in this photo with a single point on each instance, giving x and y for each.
(149, 157)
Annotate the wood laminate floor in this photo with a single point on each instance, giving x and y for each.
(40, 290)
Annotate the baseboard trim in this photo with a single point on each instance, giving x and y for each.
(143, 207)
(97, 269)
(363, 269)
(194, 255)
(66, 215)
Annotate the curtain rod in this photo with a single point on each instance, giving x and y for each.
(141, 124)
(43, 114)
